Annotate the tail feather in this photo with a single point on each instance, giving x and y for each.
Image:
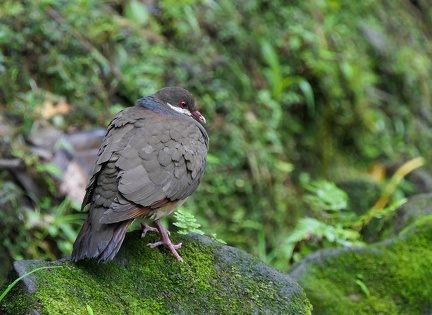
(97, 240)
(110, 251)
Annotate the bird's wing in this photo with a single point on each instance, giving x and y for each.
(96, 239)
(163, 161)
(116, 138)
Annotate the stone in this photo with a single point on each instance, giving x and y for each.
(213, 279)
(418, 206)
(391, 277)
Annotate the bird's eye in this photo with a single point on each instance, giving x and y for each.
(183, 104)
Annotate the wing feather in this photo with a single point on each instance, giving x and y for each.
(154, 168)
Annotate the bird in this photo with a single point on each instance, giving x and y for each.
(151, 160)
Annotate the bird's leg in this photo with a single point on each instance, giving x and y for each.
(147, 228)
(165, 241)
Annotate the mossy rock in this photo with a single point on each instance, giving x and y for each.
(418, 206)
(213, 279)
(391, 277)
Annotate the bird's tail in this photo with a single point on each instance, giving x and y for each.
(97, 240)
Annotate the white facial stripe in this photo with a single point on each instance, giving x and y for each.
(180, 110)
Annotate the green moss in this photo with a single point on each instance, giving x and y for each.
(396, 273)
(18, 305)
(149, 281)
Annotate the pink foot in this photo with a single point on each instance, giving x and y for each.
(166, 241)
(147, 228)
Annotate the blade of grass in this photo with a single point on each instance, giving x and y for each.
(10, 286)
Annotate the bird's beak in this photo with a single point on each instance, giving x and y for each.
(197, 116)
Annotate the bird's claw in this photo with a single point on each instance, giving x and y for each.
(147, 228)
(165, 240)
(159, 243)
(173, 247)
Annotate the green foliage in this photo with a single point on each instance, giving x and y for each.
(335, 225)
(47, 233)
(382, 213)
(318, 87)
(89, 310)
(211, 280)
(14, 239)
(215, 237)
(186, 222)
(362, 285)
(324, 195)
(384, 278)
(35, 223)
(47, 171)
(53, 222)
(10, 194)
(10, 286)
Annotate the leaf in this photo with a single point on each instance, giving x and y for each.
(307, 90)
(363, 287)
(325, 195)
(136, 12)
(187, 223)
(89, 309)
(308, 227)
(214, 236)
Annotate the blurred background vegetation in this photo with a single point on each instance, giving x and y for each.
(317, 111)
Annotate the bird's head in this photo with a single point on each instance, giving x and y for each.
(181, 101)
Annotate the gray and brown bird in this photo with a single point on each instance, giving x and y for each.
(151, 160)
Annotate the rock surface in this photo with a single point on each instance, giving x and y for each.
(392, 277)
(214, 279)
(418, 206)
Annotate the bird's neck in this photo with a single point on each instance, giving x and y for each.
(154, 104)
